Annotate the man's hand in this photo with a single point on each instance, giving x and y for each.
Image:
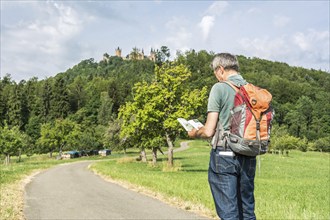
(193, 133)
(208, 129)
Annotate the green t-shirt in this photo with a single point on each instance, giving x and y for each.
(221, 98)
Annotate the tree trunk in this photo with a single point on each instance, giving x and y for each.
(170, 151)
(143, 155)
(19, 155)
(51, 154)
(60, 151)
(7, 160)
(154, 155)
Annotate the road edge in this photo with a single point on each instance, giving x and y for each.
(172, 201)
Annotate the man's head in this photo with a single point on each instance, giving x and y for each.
(224, 64)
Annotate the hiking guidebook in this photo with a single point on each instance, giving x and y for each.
(191, 124)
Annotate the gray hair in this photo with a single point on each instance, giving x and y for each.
(226, 60)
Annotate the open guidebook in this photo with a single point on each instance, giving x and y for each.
(189, 125)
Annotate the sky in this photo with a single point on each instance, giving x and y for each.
(43, 38)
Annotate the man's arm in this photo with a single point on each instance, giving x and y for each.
(208, 129)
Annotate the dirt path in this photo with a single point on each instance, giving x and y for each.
(73, 192)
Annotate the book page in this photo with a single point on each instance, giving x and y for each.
(189, 125)
(186, 125)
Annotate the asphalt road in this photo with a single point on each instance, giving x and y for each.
(72, 191)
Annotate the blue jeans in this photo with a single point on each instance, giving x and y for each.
(231, 180)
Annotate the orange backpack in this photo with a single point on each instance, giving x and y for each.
(250, 121)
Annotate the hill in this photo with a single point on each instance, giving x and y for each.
(90, 94)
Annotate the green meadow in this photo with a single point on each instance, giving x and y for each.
(293, 186)
(296, 186)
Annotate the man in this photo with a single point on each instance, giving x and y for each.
(230, 175)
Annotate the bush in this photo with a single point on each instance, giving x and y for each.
(323, 144)
(302, 144)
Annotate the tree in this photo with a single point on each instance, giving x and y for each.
(46, 99)
(3, 110)
(47, 142)
(32, 99)
(18, 112)
(323, 144)
(151, 118)
(10, 141)
(62, 135)
(111, 136)
(60, 99)
(77, 93)
(300, 117)
(33, 128)
(162, 55)
(14, 107)
(5, 89)
(199, 65)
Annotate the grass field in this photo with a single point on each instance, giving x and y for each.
(296, 186)
(289, 187)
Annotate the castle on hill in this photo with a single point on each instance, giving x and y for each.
(136, 54)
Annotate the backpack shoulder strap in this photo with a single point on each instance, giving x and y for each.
(232, 85)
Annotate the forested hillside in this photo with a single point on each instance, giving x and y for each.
(78, 109)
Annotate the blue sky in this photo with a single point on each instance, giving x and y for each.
(43, 38)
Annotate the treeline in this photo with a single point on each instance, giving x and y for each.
(78, 109)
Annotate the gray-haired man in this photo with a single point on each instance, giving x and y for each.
(231, 175)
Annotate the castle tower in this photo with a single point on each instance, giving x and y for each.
(118, 52)
(141, 55)
(152, 55)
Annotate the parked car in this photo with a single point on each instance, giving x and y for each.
(70, 154)
(83, 153)
(105, 152)
(93, 152)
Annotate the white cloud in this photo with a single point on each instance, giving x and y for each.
(217, 8)
(208, 20)
(310, 49)
(42, 38)
(179, 34)
(281, 21)
(253, 11)
(206, 24)
(311, 40)
(301, 41)
(41, 43)
(313, 48)
(265, 47)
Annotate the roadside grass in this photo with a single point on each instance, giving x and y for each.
(289, 187)
(14, 177)
(296, 186)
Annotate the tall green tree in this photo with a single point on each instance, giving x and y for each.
(10, 141)
(162, 55)
(3, 103)
(60, 99)
(47, 143)
(46, 100)
(17, 108)
(77, 93)
(32, 96)
(6, 84)
(33, 128)
(105, 110)
(151, 118)
(63, 135)
(300, 117)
